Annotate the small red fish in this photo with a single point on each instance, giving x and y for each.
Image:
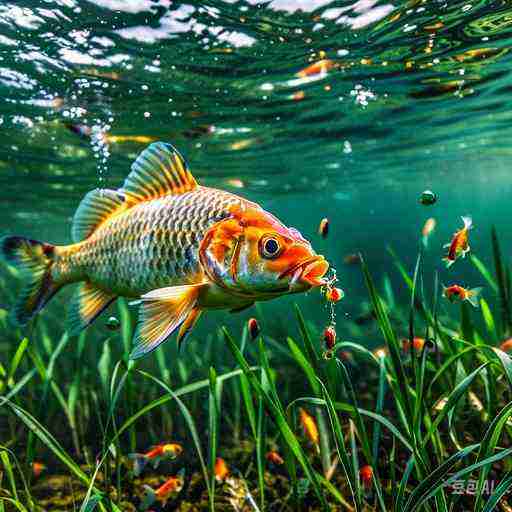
(330, 337)
(456, 292)
(221, 469)
(417, 344)
(309, 425)
(172, 485)
(352, 259)
(334, 294)
(253, 327)
(274, 457)
(320, 67)
(506, 345)
(366, 474)
(37, 468)
(155, 455)
(323, 228)
(428, 229)
(459, 245)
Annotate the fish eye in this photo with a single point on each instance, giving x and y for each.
(270, 247)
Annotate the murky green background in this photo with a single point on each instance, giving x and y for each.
(416, 96)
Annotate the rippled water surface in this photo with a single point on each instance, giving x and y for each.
(313, 108)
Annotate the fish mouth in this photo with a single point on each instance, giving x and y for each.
(310, 272)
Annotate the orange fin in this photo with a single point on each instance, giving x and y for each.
(86, 305)
(161, 312)
(97, 206)
(188, 324)
(158, 171)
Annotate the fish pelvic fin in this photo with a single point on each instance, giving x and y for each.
(34, 261)
(161, 312)
(448, 262)
(96, 207)
(474, 295)
(86, 305)
(158, 171)
(188, 325)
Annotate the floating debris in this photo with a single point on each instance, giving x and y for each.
(235, 183)
(428, 198)
(428, 229)
(113, 323)
(323, 227)
(298, 95)
(253, 327)
(456, 292)
(274, 457)
(459, 245)
(221, 469)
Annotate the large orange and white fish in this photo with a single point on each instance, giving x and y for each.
(178, 246)
(459, 245)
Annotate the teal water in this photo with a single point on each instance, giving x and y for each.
(415, 95)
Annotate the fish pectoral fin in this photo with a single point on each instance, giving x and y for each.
(161, 312)
(86, 305)
(158, 171)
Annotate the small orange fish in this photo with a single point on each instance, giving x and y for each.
(417, 344)
(253, 328)
(456, 292)
(155, 455)
(428, 229)
(274, 457)
(37, 468)
(352, 259)
(221, 469)
(366, 474)
(334, 294)
(309, 425)
(459, 245)
(330, 337)
(320, 67)
(506, 345)
(172, 485)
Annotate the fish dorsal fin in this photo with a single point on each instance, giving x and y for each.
(97, 206)
(158, 171)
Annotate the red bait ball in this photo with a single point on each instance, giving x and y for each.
(334, 294)
(330, 337)
(323, 228)
(253, 327)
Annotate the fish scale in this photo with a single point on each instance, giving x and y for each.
(153, 244)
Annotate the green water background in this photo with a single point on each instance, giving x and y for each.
(406, 107)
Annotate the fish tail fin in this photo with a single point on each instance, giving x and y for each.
(139, 462)
(468, 222)
(148, 499)
(34, 261)
(448, 262)
(474, 295)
